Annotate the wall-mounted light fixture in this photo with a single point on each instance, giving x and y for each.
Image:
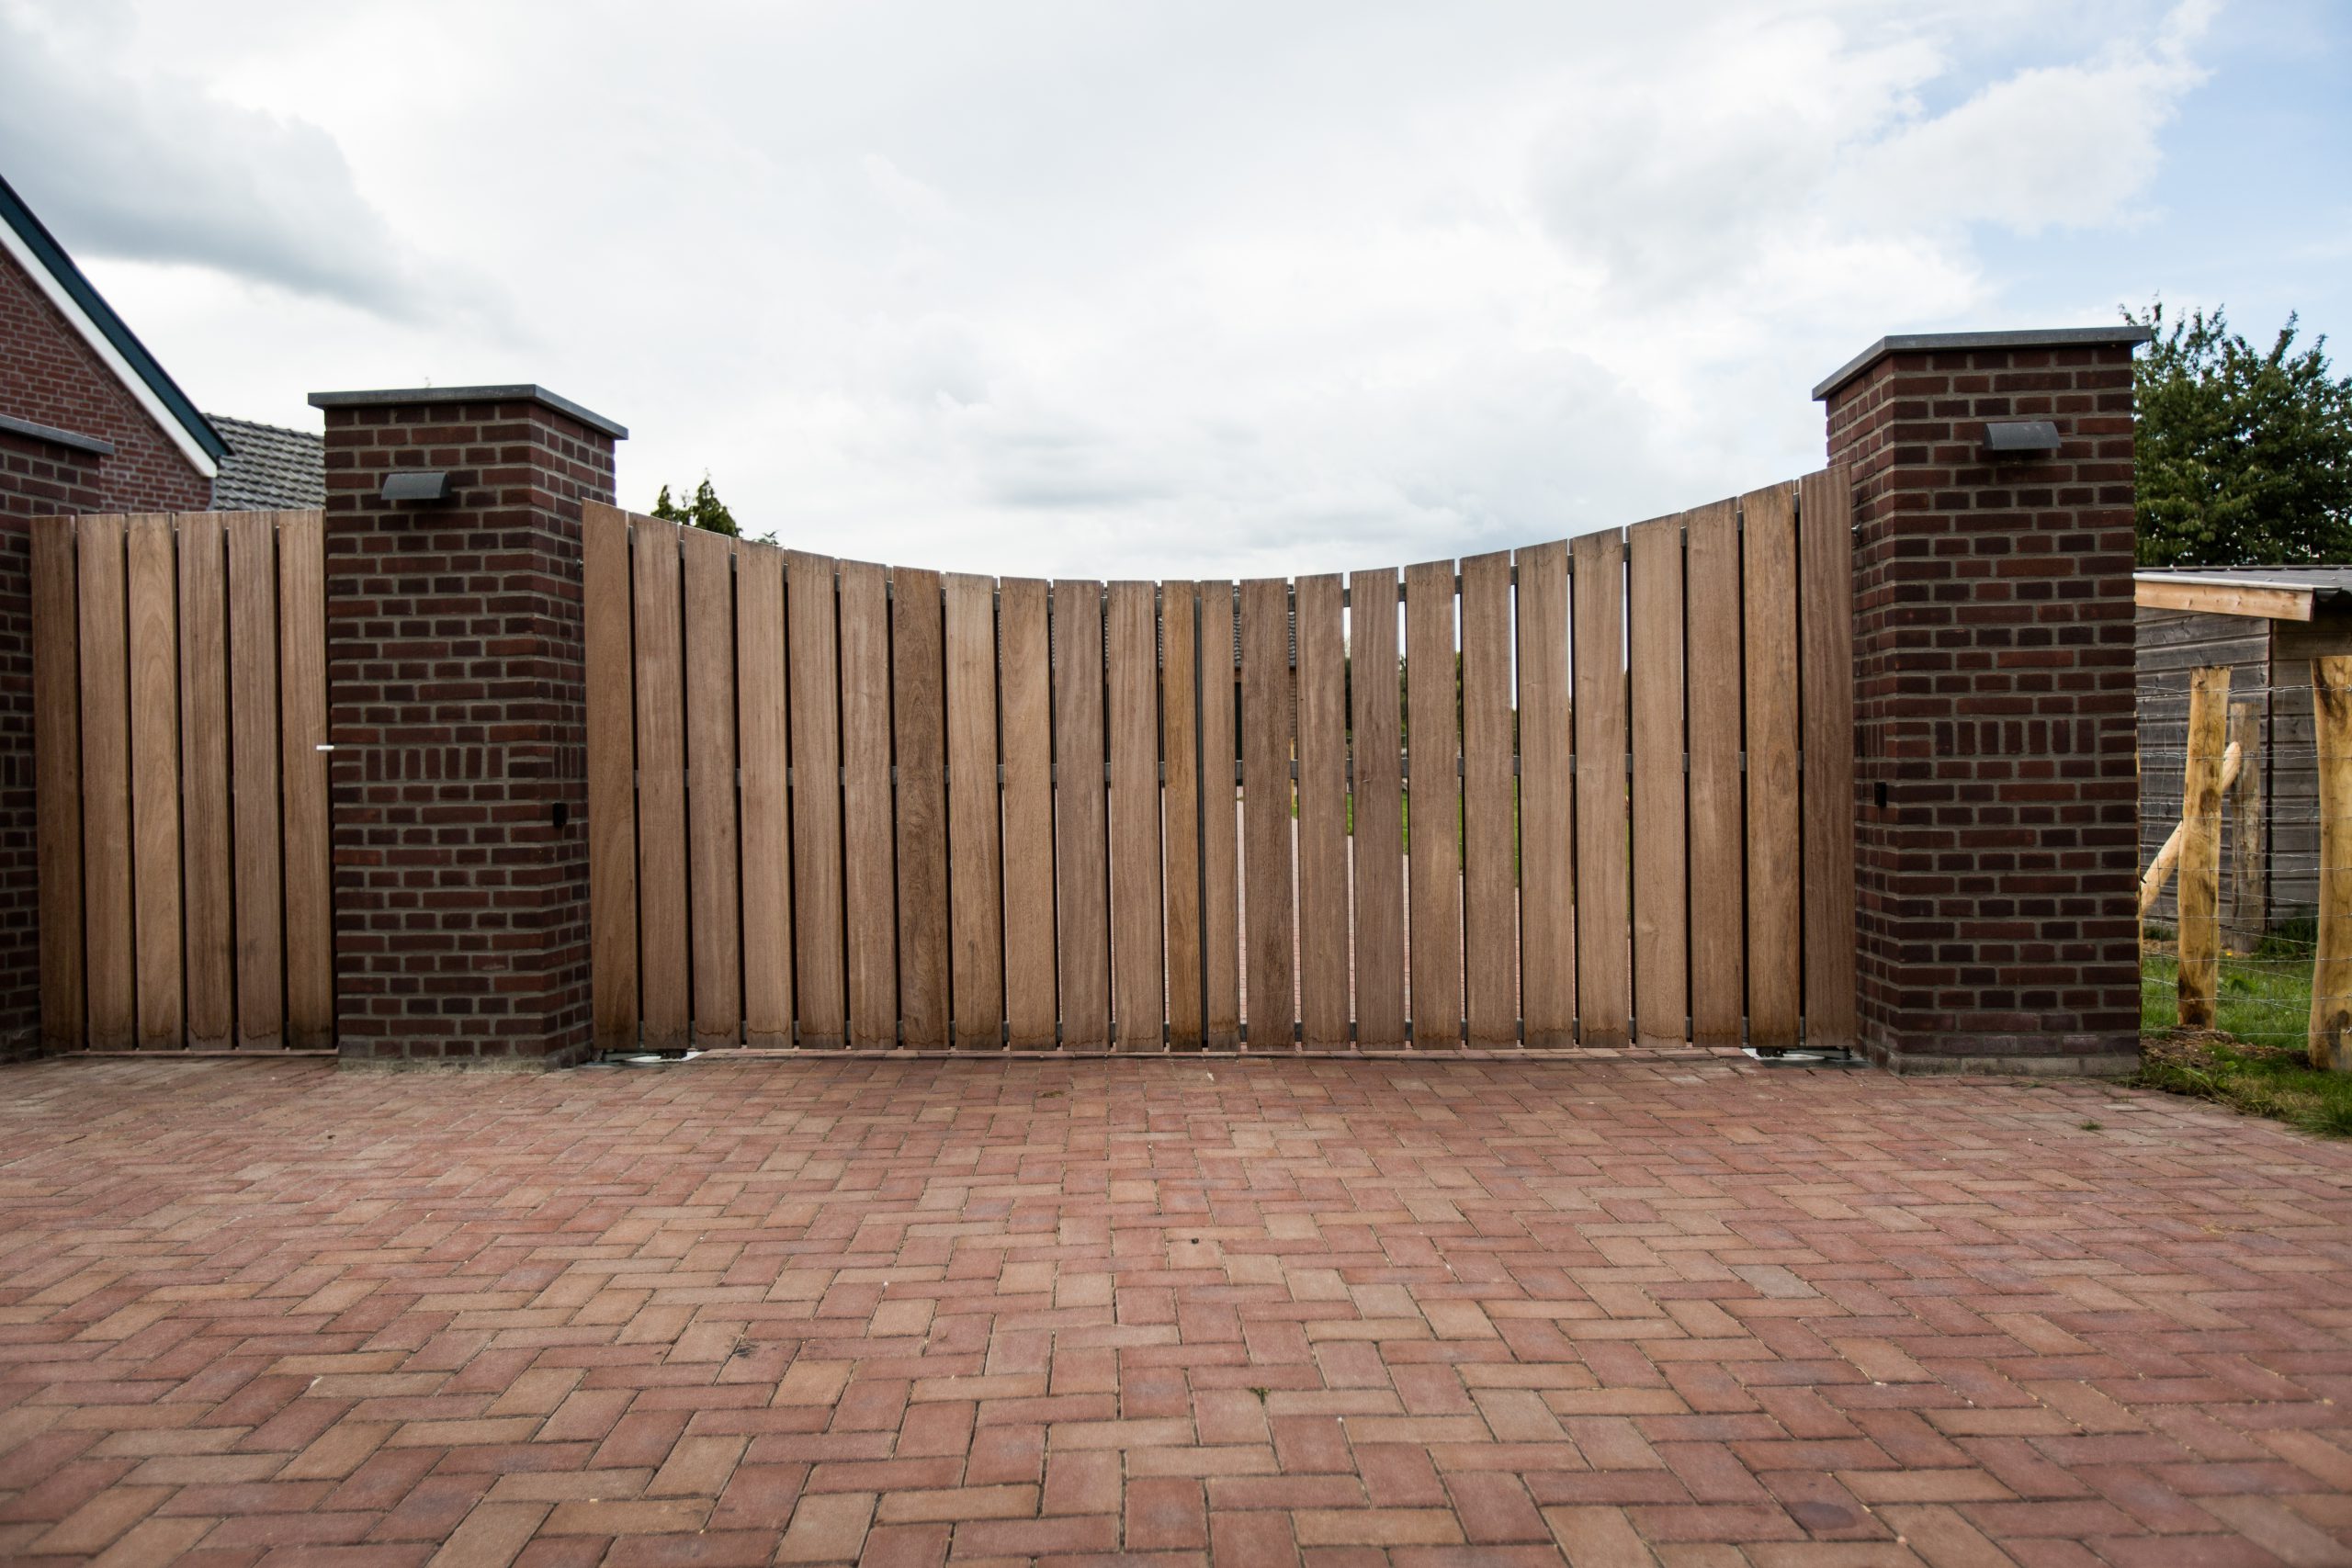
(408, 484)
(2020, 437)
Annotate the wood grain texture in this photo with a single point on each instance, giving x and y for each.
(1718, 862)
(869, 876)
(1489, 879)
(1546, 794)
(1180, 747)
(1082, 851)
(253, 766)
(154, 642)
(1825, 609)
(1654, 667)
(919, 677)
(1433, 801)
(302, 731)
(1775, 898)
(2200, 967)
(1324, 1011)
(665, 978)
(762, 752)
(105, 787)
(714, 856)
(1268, 1000)
(1024, 683)
(612, 768)
(1220, 827)
(209, 946)
(812, 656)
(974, 928)
(2329, 1046)
(1604, 872)
(1139, 973)
(57, 752)
(1378, 844)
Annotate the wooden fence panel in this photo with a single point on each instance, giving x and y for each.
(811, 628)
(1434, 805)
(302, 725)
(1378, 807)
(918, 671)
(57, 752)
(707, 564)
(1489, 809)
(1655, 669)
(1138, 978)
(611, 766)
(1082, 851)
(1026, 690)
(1547, 891)
(1604, 878)
(663, 966)
(869, 874)
(976, 939)
(209, 947)
(1269, 999)
(1220, 826)
(105, 787)
(1180, 747)
(1825, 604)
(1711, 648)
(1775, 910)
(155, 644)
(763, 753)
(1323, 1011)
(253, 722)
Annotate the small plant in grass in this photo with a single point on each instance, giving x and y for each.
(2275, 1081)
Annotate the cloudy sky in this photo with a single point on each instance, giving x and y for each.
(1170, 289)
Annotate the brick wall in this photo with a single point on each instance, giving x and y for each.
(457, 708)
(1996, 855)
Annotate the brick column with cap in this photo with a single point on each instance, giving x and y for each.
(1997, 850)
(456, 706)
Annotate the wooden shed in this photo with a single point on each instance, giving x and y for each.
(2265, 624)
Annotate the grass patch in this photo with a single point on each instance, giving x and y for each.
(2276, 1081)
(2264, 997)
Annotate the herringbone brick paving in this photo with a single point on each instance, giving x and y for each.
(1676, 1310)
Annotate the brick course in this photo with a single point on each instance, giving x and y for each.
(457, 708)
(1993, 703)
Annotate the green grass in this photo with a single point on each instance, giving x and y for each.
(2266, 997)
(2257, 1060)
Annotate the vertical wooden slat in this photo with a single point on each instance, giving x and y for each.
(660, 788)
(812, 658)
(918, 673)
(154, 779)
(1605, 896)
(1138, 977)
(2329, 1044)
(1775, 910)
(1825, 603)
(1654, 658)
(1179, 748)
(1432, 801)
(254, 764)
(869, 878)
(1718, 869)
(1026, 686)
(105, 787)
(765, 805)
(1082, 852)
(1489, 890)
(1220, 853)
(209, 946)
(1323, 1006)
(1268, 1000)
(976, 937)
(302, 721)
(611, 765)
(1374, 707)
(708, 560)
(57, 753)
(1547, 892)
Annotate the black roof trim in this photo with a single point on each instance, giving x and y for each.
(1957, 343)
(518, 392)
(57, 437)
(44, 246)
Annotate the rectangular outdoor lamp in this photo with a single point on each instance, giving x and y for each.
(411, 485)
(2020, 437)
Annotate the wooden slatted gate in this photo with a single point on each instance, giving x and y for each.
(838, 804)
(179, 711)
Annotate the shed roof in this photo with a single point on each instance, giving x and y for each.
(2265, 592)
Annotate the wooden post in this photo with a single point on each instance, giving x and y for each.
(2201, 847)
(2331, 1033)
(2152, 882)
(2249, 919)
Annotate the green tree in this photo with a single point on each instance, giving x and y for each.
(2243, 458)
(705, 511)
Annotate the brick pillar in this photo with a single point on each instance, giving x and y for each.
(1996, 858)
(456, 706)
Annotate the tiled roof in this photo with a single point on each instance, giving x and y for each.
(268, 468)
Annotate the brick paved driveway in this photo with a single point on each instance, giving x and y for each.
(1282, 1312)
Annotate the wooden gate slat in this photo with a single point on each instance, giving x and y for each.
(1711, 653)
(918, 674)
(1321, 639)
(209, 951)
(1490, 883)
(660, 786)
(1604, 876)
(302, 722)
(1654, 658)
(1180, 747)
(817, 924)
(57, 751)
(1378, 804)
(869, 877)
(105, 787)
(1082, 851)
(1433, 800)
(976, 938)
(1826, 599)
(1269, 1002)
(1775, 915)
(1026, 693)
(1220, 826)
(611, 764)
(254, 764)
(707, 563)
(1138, 977)
(154, 642)
(766, 803)
(1546, 831)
